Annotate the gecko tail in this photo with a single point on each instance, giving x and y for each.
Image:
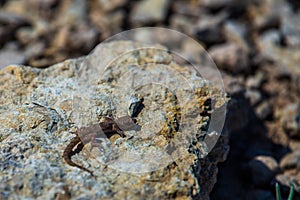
(68, 159)
(68, 153)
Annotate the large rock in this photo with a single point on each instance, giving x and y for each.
(39, 108)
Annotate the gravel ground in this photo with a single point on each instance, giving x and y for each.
(256, 45)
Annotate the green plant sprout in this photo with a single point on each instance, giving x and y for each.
(278, 193)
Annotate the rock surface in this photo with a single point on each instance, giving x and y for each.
(40, 107)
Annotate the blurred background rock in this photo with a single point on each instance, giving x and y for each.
(255, 44)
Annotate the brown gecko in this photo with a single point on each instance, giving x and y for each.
(88, 134)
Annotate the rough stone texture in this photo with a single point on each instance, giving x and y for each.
(40, 107)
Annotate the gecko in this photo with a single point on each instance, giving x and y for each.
(88, 134)
(107, 128)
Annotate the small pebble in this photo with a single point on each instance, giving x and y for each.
(254, 96)
(290, 119)
(235, 31)
(149, 11)
(291, 160)
(10, 57)
(291, 29)
(26, 35)
(218, 3)
(209, 29)
(230, 57)
(294, 145)
(256, 81)
(111, 4)
(264, 110)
